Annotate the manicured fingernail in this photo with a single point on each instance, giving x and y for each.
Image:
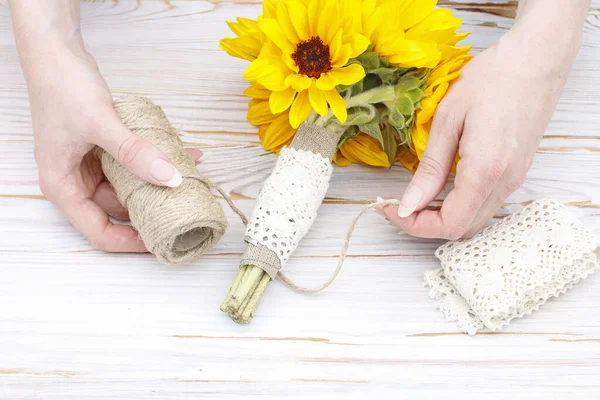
(165, 173)
(205, 156)
(410, 201)
(380, 199)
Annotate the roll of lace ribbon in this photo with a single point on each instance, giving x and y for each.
(511, 268)
(176, 224)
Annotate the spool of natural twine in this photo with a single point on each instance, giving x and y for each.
(176, 224)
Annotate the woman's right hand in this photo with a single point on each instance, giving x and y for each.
(72, 112)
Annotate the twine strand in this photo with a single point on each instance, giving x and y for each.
(344, 252)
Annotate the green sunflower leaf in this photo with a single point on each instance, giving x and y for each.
(390, 142)
(347, 135)
(371, 81)
(415, 95)
(372, 129)
(397, 119)
(369, 60)
(404, 105)
(387, 75)
(359, 116)
(381, 95)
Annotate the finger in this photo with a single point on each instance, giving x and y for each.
(139, 156)
(436, 163)
(106, 198)
(454, 220)
(87, 217)
(195, 154)
(488, 210)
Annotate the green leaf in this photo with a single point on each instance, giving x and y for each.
(358, 87)
(415, 95)
(369, 60)
(390, 142)
(359, 116)
(371, 81)
(347, 135)
(397, 119)
(406, 84)
(404, 105)
(382, 94)
(372, 129)
(387, 75)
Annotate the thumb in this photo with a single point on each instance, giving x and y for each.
(139, 156)
(434, 166)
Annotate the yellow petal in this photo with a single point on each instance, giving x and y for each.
(317, 100)
(290, 63)
(301, 109)
(246, 48)
(325, 27)
(408, 159)
(272, 29)
(269, 8)
(270, 72)
(439, 26)
(278, 134)
(314, 11)
(342, 76)
(256, 91)
(359, 44)
(326, 82)
(335, 46)
(337, 104)
(340, 160)
(365, 150)
(299, 17)
(281, 101)
(259, 112)
(412, 12)
(285, 22)
(412, 53)
(299, 82)
(343, 56)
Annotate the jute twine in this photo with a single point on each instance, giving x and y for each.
(176, 224)
(180, 224)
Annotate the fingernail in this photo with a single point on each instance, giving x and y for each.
(380, 199)
(410, 201)
(165, 173)
(205, 156)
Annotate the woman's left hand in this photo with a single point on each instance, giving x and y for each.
(494, 116)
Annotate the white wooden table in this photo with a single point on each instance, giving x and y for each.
(80, 324)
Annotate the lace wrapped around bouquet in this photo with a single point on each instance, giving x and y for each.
(513, 267)
(342, 80)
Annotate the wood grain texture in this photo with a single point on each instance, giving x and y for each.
(77, 323)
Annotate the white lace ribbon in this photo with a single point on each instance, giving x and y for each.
(513, 267)
(288, 202)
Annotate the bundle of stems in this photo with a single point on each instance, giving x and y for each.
(245, 293)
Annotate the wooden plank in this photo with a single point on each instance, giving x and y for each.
(75, 320)
(120, 326)
(201, 88)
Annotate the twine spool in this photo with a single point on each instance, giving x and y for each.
(176, 224)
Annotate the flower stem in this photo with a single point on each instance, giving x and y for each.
(245, 293)
(248, 312)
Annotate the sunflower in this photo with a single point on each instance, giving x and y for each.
(304, 51)
(310, 43)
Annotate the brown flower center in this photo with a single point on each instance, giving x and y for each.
(312, 57)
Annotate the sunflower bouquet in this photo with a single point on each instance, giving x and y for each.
(342, 81)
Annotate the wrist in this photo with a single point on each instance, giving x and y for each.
(549, 31)
(44, 30)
